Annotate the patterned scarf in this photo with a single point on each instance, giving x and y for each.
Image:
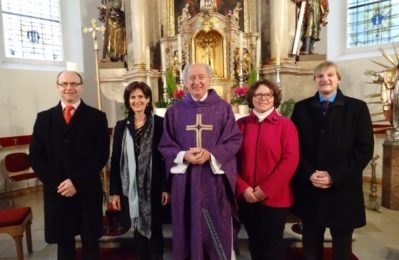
(136, 176)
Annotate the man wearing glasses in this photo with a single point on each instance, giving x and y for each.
(69, 148)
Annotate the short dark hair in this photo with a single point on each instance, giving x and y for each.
(271, 85)
(77, 73)
(132, 87)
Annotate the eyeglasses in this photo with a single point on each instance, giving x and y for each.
(263, 95)
(66, 84)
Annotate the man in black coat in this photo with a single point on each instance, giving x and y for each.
(68, 155)
(336, 144)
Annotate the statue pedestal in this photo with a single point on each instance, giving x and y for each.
(390, 175)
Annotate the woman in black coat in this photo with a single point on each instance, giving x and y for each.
(138, 172)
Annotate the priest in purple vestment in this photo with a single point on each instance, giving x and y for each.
(199, 144)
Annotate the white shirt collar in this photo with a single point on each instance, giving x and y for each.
(262, 116)
(201, 99)
(74, 105)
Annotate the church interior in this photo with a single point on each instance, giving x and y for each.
(152, 40)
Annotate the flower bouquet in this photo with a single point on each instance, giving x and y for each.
(240, 95)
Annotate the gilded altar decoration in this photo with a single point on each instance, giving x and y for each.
(209, 50)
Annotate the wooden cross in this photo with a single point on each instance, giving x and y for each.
(93, 29)
(198, 128)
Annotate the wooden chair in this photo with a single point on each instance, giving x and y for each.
(18, 168)
(15, 222)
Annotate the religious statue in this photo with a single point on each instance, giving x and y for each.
(243, 67)
(316, 13)
(389, 80)
(236, 12)
(115, 46)
(185, 14)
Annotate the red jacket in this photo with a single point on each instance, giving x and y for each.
(268, 157)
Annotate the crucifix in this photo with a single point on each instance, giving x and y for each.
(94, 29)
(198, 128)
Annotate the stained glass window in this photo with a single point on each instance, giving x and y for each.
(372, 22)
(32, 29)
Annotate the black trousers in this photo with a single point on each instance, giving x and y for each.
(149, 249)
(313, 238)
(66, 249)
(265, 228)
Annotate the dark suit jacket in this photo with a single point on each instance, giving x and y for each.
(341, 143)
(158, 182)
(77, 151)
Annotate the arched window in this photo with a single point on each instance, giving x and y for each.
(31, 30)
(372, 22)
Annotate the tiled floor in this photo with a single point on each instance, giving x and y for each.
(376, 241)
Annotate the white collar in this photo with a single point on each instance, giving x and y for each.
(262, 116)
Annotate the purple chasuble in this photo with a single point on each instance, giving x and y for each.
(202, 202)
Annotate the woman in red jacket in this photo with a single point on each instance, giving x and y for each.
(267, 160)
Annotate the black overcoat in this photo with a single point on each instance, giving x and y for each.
(341, 142)
(158, 181)
(77, 151)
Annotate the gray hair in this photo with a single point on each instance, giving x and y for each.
(187, 67)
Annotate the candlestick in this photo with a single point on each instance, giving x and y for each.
(179, 51)
(147, 58)
(241, 55)
(241, 46)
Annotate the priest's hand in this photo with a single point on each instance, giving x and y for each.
(203, 156)
(197, 155)
(249, 195)
(116, 202)
(66, 188)
(165, 200)
(259, 194)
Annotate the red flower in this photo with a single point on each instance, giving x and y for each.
(241, 91)
(241, 94)
(178, 94)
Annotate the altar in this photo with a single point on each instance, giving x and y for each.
(235, 38)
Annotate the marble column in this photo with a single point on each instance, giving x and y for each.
(279, 45)
(390, 175)
(137, 32)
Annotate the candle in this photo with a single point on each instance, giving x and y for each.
(278, 54)
(179, 51)
(147, 58)
(241, 46)
(163, 56)
(241, 53)
(258, 52)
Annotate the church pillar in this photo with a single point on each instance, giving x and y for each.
(138, 37)
(279, 45)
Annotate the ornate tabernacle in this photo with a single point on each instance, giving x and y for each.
(215, 39)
